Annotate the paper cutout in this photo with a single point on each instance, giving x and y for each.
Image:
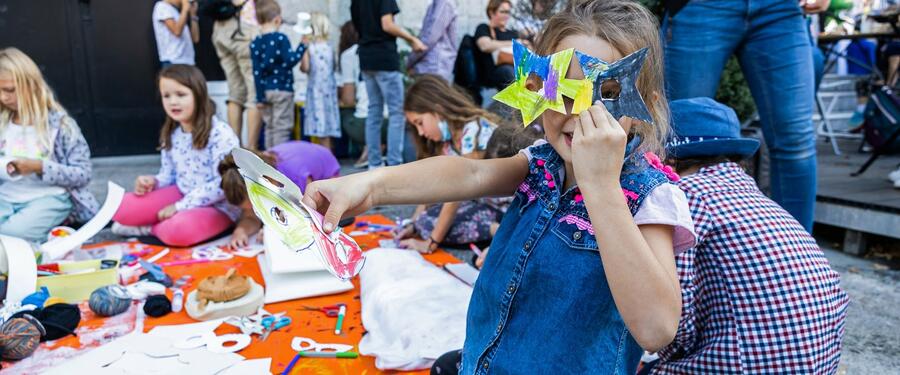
(276, 200)
(615, 84)
(621, 77)
(550, 69)
(59, 247)
(19, 264)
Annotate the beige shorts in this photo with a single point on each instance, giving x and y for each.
(234, 56)
(278, 115)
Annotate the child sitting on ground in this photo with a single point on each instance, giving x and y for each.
(183, 204)
(301, 162)
(758, 293)
(42, 149)
(273, 74)
(448, 123)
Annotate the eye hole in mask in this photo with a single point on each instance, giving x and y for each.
(610, 89)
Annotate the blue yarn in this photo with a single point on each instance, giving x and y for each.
(37, 298)
(109, 300)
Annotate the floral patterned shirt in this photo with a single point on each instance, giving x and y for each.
(195, 172)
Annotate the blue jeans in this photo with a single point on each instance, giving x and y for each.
(33, 220)
(385, 87)
(772, 44)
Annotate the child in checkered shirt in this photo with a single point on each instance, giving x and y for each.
(758, 293)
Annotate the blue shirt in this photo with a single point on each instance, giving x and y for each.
(542, 304)
(273, 63)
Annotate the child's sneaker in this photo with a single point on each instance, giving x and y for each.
(131, 231)
(894, 176)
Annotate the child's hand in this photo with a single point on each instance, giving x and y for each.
(260, 106)
(422, 246)
(239, 238)
(339, 197)
(144, 184)
(24, 167)
(480, 261)
(167, 212)
(406, 232)
(598, 147)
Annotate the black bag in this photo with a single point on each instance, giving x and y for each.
(219, 9)
(465, 71)
(882, 120)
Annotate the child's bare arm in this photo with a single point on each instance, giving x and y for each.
(433, 180)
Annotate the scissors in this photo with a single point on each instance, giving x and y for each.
(330, 310)
(212, 253)
(273, 323)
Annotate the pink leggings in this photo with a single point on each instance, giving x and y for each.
(186, 228)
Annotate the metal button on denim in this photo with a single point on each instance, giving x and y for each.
(528, 245)
(485, 365)
(510, 289)
(576, 236)
(552, 207)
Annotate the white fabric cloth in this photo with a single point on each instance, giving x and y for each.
(412, 310)
(171, 48)
(19, 141)
(666, 205)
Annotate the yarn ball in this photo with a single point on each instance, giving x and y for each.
(109, 300)
(157, 306)
(19, 338)
(59, 320)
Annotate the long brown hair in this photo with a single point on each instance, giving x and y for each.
(432, 94)
(232, 182)
(628, 27)
(204, 108)
(349, 37)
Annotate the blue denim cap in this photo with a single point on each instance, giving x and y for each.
(703, 127)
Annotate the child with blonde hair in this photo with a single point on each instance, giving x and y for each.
(322, 118)
(42, 151)
(581, 273)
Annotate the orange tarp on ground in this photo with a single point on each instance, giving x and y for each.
(312, 324)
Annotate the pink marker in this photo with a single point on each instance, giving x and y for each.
(184, 262)
(475, 249)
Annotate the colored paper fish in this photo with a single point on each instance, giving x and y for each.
(276, 200)
(537, 85)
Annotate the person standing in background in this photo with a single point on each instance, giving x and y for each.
(175, 29)
(321, 118)
(380, 65)
(439, 35)
(231, 38)
(493, 39)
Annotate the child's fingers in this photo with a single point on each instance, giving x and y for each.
(586, 123)
(336, 209)
(601, 115)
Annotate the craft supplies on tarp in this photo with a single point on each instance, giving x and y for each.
(77, 280)
(298, 275)
(226, 295)
(277, 202)
(412, 310)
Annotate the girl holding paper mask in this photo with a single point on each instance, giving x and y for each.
(183, 204)
(448, 123)
(591, 237)
(46, 160)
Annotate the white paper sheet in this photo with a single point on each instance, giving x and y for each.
(284, 260)
(4, 161)
(59, 247)
(293, 285)
(20, 267)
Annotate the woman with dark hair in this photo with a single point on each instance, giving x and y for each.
(494, 40)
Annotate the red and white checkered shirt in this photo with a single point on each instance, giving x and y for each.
(758, 294)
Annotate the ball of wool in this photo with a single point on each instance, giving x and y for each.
(59, 320)
(157, 306)
(19, 338)
(109, 300)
